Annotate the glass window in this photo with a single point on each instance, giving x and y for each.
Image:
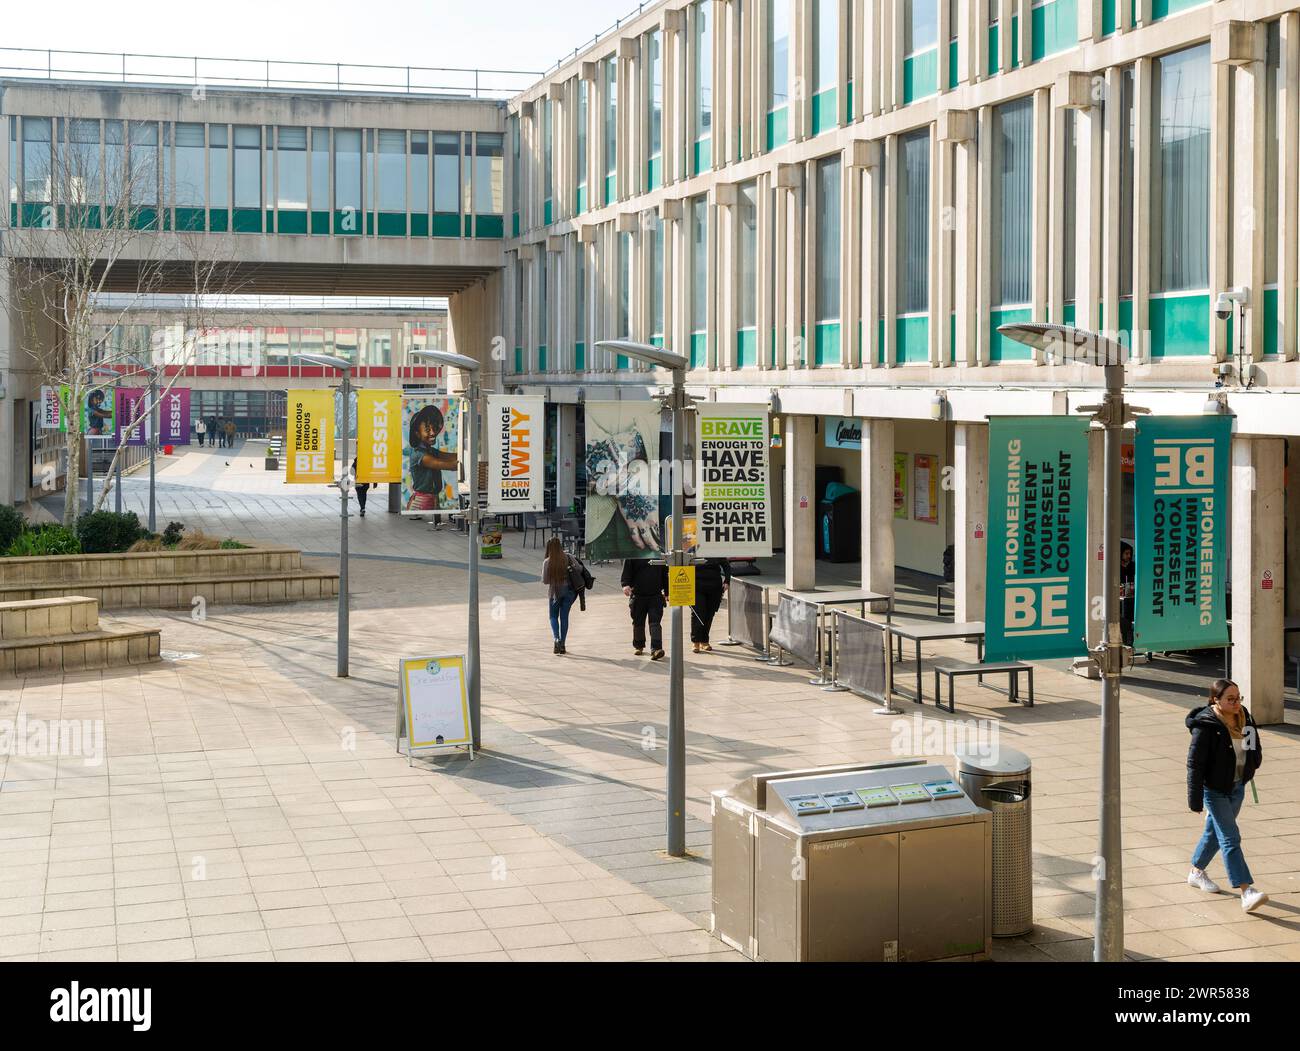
(584, 91)
(347, 170)
(420, 172)
(921, 26)
(1180, 198)
(1127, 184)
(1013, 194)
(543, 300)
(368, 172)
(747, 198)
(778, 55)
(13, 161)
(320, 169)
(189, 165)
(392, 171)
(700, 264)
(38, 162)
(623, 320)
(1070, 166)
(514, 164)
(914, 223)
(828, 239)
(1272, 151)
(703, 68)
(489, 173)
(580, 292)
(83, 177)
(291, 168)
(218, 165)
(248, 166)
(611, 116)
(446, 172)
(657, 278)
(548, 152)
(826, 44)
(655, 55)
(144, 162)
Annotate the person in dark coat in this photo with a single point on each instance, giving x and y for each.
(646, 588)
(1127, 592)
(712, 578)
(363, 490)
(1225, 753)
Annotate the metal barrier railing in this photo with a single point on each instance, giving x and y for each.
(797, 630)
(747, 617)
(863, 659)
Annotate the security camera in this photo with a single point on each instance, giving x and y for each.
(1223, 307)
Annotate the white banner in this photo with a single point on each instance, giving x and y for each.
(733, 483)
(51, 409)
(515, 435)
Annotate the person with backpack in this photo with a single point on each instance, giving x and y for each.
(646, 588)
(567, 581)
(712, 578)
(1225, 753)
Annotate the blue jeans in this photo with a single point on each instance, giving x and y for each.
(1221, 834)
(560, 606)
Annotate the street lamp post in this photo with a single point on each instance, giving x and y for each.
(473, 391)
(344, 367)
(676, 789)
(1112, 656)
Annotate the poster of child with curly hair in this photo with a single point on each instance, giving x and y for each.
(623, 481)
(430, 456)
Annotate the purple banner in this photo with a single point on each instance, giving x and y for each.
(131, 403)
(174, 417)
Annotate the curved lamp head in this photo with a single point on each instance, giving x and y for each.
(445, 357)
(1069, 345)
(328, 361)
(664, 359)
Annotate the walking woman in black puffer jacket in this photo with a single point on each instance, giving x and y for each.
(1224, 755)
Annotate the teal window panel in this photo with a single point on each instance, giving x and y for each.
(1126, 321)
(514, 225)
(247, 220)
(920, 75)
(13, 215)
(370, 224)
(1180, 325)
(657, 341)
(519, 359)
(952, 337)
(621, 362)
(579, 357)
(1109, 16)
(320, 223)
(824, 116)
(270, 221)
(419, 225)
(993, 51)
(827, 338)
(190, 219)
(1001, 348)
(546, 214)
(446, 224)
(34, 213)
(541, 359)
(392, 224)
(1068, 314)
(848, 103)
(1271, 331)
(292, 222)
(347, 223)
(654, 173)
(993, 46)
(580, 199)
(469, 226)
(167, 219)
(953, 55)
(489, 226)
(218, 221)
(611, 188)
(144, 219)
(703, 155)
(1165, 8)
(778, 127)
(912, 339)
(880, 342)
(1055, 28)
(699, 349)
(747, 348)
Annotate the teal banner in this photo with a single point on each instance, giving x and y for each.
(1037, 605)
(1180, 502)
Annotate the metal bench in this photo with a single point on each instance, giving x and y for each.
(953, 669)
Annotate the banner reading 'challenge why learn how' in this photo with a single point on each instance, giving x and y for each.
(514, 436)
(311, 437)
(1181, 508)
(379, 436)
(734, 496)
(1036, 605)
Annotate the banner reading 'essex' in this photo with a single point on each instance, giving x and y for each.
(514, 437)
(379, 436)
(310, 441)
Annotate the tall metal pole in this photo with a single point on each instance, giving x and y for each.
(153, 451)
(117, 457)
(676, 796)
(1108, 938)
(344, 487)
(472, 670)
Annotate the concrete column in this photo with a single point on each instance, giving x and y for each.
(800, 503)
(1222, 145)
(1258, 577)
(1292, 530)
(970, 531)
(871, 278)
(878, 506)
(966, 253)
(889, 227)
(984, 265)
(1288, 230)
(1143, 146)
(939, 307)
(1114, 131)
(566, 454)
(1042, 152)
(1088, 200)
(1249, 183)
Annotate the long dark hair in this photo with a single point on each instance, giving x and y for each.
(555, 570)
(1220, 687)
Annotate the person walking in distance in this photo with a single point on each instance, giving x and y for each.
(1225, 753)
(362, 488)
(646, 588)
(201, 429)
(230, 434)
(712, 578)
(565, 584)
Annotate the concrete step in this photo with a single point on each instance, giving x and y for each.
(39, 618)
(176, 566)
(304, 585)
(87, 650)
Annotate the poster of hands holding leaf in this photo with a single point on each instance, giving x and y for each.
(622, 480)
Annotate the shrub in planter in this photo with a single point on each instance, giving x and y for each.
(12, 524)
(45, 540)
(172, 534)
(108, 533)
(233, 545)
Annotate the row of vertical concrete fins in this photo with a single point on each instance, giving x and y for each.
(168, 580)
(56, 635)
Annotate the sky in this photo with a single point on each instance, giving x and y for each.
(485, 34)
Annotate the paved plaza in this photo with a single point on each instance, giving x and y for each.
(252, 806)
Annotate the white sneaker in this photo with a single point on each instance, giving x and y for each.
(1252, 899)
(1198, 879)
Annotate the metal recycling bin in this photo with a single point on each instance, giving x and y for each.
(1002, 784)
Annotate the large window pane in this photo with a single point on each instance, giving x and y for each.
(82, 178)
(747, 198)
(657, 278)
(828, 239)
(189, 165)
(218, 164)
(1272, 151)
(700, 264)
(1180, 198)
(654, 49)
(584, 92)
(826, 43)
(914, 223)
(611, 116)
(392, 171)
(921, 26)
(420, 172)
(446, 172)
(144, 162)
(703, 68)
(548, 151)
(778, 55)
(1013, 194)
(580, 293)
(623, 319)
(248, 167)
(37, 159)
(291, 168)
(320, 169)
(347, 170)
(489, 174)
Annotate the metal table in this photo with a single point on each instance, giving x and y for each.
(919, 632)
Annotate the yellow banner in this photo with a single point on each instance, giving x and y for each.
(379, 436)
(310, 441)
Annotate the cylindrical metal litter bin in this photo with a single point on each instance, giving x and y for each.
(1002, 784)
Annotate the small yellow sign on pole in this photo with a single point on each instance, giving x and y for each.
(681, 586)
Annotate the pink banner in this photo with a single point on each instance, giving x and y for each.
(174, 417)
(131, 404)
